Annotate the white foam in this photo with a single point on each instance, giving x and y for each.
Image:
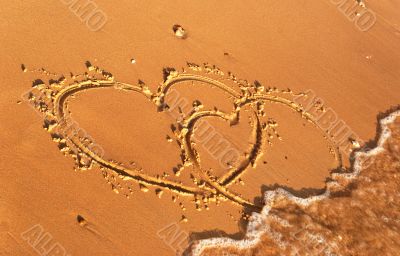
(256, 227)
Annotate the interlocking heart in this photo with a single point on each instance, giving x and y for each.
(86, 153)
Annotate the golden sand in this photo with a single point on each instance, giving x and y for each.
(140, 128)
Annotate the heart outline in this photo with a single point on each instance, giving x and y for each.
(214, 188)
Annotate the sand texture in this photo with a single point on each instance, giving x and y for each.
(199, 128)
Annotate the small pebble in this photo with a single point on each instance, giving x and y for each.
(179, 31)
(24, 69)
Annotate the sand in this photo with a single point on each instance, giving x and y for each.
(355, 216)
(143, 128)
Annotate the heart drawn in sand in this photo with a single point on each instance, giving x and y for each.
(51, 100)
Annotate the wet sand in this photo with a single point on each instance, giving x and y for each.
(356, 215)
(141, 138)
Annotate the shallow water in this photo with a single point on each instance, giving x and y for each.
(359, 215)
